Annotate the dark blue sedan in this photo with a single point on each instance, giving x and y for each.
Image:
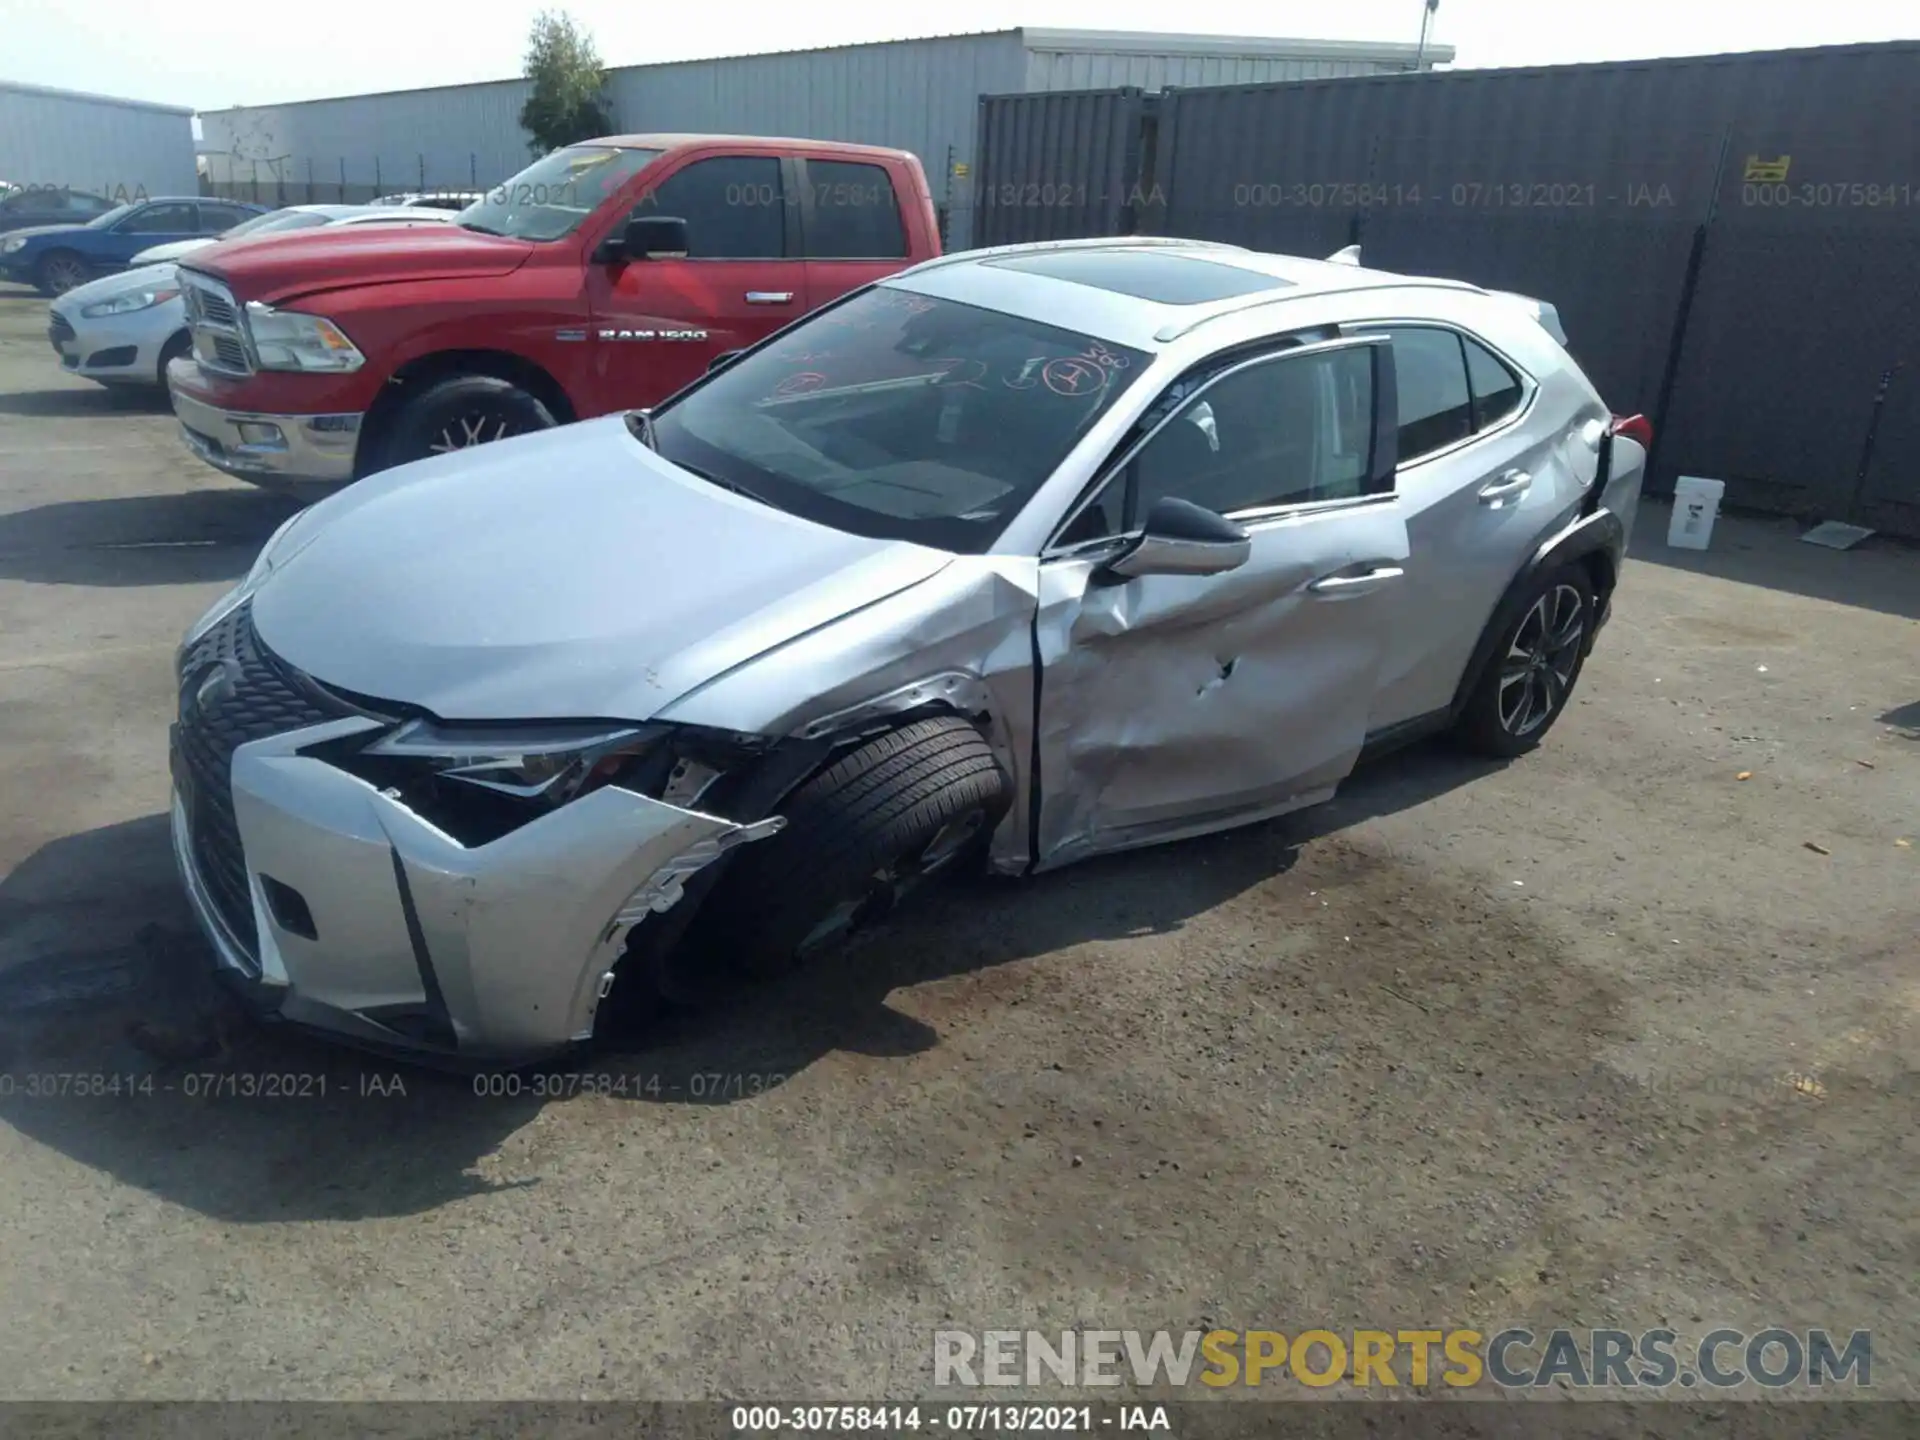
(55, 258)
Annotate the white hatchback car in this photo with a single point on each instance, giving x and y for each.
(123, 329)
(1015, 557)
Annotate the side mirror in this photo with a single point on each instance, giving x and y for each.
(1182, 538)
(652, 237)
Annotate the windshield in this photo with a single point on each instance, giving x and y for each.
(274, 221)
(551, 197)
(112, 217)
(901, 417)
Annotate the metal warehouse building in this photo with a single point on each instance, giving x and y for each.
(919, 95)
(117, 148)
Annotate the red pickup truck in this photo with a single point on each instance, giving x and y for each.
(601, 278)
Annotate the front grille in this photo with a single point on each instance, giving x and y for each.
(217, 310)
(218, 323)
(263, 697)
(59, 329)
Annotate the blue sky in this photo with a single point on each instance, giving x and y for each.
(214, 53)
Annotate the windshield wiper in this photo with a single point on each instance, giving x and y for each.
(735, 486)
(479, 229)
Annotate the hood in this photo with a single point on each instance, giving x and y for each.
(273, 268)
(30, 231)
(118, 283)
(573, 574)
(172, 251)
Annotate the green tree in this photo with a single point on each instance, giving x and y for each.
(568, 103)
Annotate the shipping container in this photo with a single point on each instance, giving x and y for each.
(121, 149)
(1075, 156)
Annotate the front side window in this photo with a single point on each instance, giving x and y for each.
(899, 416)
(553, 197)
(1287, 430)
(854, 214)
(732, 204)
(162, 220)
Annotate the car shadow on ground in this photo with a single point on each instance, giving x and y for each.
(119, 1050)
(1882, 573)
(94, 400)
(201, 535)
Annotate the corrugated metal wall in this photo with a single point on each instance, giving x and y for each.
(1056, 166)
(918, 95)
(454, 137)
(117, 148)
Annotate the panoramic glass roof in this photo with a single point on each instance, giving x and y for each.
(1156, 275)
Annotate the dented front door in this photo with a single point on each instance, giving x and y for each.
(1174, 705)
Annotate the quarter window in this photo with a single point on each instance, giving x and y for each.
(854, 215)
(1496, 389)
(1285, 431)
(733, 206)
(1436, 409)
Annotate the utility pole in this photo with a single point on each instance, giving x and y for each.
(1426, 21)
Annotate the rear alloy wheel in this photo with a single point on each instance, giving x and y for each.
(60, 272)
(459, 413)
(1532, 672)
(861, 837)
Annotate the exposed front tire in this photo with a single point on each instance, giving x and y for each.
(1535, 664)
(176, 346)
(860, 836)
(59, 272)
(458, 413)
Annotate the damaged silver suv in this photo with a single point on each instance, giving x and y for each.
(1017, 557)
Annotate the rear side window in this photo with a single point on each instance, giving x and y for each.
(1496, 389)
(855, 214)
(1436, 408)
(733, 205)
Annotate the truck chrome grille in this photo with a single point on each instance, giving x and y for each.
(261, 696)
(218, 324)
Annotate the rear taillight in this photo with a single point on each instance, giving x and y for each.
(1636, 428)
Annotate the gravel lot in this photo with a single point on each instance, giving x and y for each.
(1596, 1038)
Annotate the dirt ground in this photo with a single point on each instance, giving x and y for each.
(1597, 1038)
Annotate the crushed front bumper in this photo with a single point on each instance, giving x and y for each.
(303, 455)
(376, 927)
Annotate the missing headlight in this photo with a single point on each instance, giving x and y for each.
(479, 782)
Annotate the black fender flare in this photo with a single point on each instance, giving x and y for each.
(1598, 533)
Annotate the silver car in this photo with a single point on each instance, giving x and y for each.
(1017, 557)
(123, 329)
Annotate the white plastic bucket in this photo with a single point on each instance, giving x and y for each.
(1696, 505)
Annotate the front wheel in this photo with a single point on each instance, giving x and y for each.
(1531, 674)
(461, 412)
(60, 272)
(860, 836)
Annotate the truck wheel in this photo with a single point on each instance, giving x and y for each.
(60, 272)
(860, 836)
(460, 412)
(1531, 674)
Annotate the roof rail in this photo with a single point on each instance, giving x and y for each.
(1042, 247)
(1239, 304)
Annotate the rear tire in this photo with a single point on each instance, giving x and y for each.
(860, 836)
(458, 413)
(59, 272)
(1534, 666)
